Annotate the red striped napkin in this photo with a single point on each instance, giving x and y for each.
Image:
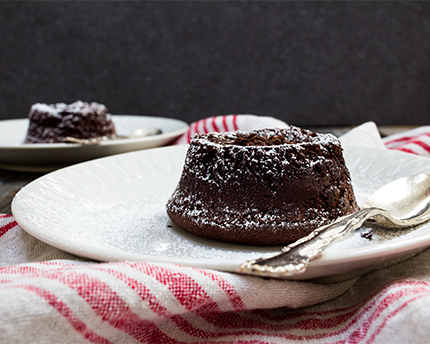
(49, 296)
(226, 123)
(415, 141)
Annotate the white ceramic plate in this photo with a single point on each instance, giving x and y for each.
(14, 155)
(113, 209)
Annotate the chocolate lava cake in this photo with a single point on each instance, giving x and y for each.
(262, 187)
(54, 123)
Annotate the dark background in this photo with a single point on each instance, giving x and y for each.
(307, 63)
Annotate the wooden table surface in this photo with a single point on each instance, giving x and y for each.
(11, 182)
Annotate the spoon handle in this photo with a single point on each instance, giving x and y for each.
(295, 257)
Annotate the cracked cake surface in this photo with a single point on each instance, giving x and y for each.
(261, 187)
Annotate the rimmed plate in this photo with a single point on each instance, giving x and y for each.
(14, 155)
(113, 209)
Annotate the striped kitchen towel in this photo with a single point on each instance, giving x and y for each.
(66, 300)
(415, 141)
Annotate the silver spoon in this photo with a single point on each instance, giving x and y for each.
(404, 202)
(138, 133)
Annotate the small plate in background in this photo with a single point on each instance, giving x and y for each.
(46, 157)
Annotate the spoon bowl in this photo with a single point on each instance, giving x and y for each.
(404, 202)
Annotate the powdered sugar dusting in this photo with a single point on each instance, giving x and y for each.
(299, 137)
(49, 109)
(57, 109)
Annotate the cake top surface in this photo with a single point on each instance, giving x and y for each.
(267, 137)
(60, 109)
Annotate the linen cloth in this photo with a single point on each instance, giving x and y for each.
(50, 296)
